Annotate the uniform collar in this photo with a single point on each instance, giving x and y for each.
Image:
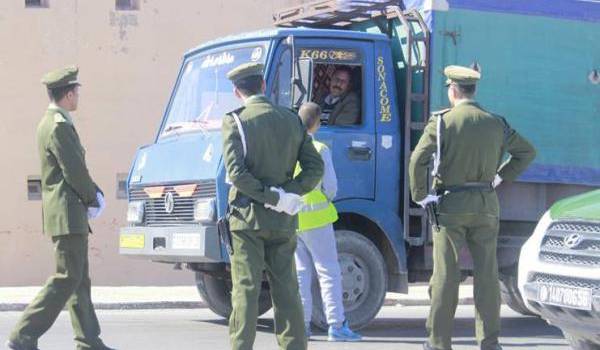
(255, 99)
(53, 106)
(464, 101)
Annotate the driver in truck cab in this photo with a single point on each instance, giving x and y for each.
(342, 105)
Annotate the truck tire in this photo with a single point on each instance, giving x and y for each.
(578, 343)
(364, 281)
(509, 291)
(216, 293)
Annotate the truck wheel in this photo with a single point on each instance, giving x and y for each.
(509, 291)
(216, 293)
(364, 281)
(578, 343)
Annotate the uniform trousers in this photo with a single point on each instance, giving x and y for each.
(255, 251)
(479, 233)
(71, 286)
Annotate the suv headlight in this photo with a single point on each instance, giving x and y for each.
(529, 256)
(135, 212)
(205, 210)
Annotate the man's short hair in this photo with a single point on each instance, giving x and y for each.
(346, 69)
(466, 90)
(310, 114)
(57, 94)
(250, 86)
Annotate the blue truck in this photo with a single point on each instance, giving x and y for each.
(540, 66)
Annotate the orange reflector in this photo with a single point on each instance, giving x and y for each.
(154, 192)
(185, 190)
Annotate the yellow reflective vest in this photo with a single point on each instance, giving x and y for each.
(317, 211)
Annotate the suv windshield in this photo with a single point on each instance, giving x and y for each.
(204, 94)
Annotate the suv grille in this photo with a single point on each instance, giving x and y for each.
(183, 209)
(572, 243)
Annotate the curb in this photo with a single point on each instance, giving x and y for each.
(157, 305)
(124, 306)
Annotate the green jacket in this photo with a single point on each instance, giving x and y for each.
(276, 141)
(473, 145)
(67, 188)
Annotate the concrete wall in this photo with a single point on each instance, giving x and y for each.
(128, 63)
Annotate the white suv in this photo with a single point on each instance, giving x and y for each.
(559, 269)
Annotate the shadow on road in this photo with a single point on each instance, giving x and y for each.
(412, 331)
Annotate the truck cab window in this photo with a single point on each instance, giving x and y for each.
(337, 88)
(281, 90)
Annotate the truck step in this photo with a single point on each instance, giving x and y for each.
(416, 212)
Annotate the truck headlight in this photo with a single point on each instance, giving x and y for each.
(135, 212)
(205, 210)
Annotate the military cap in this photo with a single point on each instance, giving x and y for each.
(61, 77)
(461, 75)
(245, 70)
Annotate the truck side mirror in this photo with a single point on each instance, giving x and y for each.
(302, 82)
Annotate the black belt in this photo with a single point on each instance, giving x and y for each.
(468, 186)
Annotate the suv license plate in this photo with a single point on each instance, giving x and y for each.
(571, 297)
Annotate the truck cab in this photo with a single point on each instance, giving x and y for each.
(177, 185)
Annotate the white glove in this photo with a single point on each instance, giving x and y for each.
(429, 199)
(288, 203)
(497, 181)
(94, 212)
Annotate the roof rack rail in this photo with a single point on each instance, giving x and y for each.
(333, 13)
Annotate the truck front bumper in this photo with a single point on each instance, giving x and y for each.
(173, 244)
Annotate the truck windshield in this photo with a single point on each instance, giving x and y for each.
(204, 94)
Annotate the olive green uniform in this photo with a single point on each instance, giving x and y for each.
(472, 146)
(264, 239)
(67, 192)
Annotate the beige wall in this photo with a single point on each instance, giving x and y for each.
(128, 62)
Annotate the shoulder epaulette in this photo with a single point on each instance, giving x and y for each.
(59, 118)
(236, 111)
(441, 111)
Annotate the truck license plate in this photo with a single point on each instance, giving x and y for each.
(185, 241)
(571, 297)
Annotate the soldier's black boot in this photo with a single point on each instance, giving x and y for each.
(15, 346)
(426, 346)
(492, 347)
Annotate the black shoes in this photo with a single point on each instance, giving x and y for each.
(15, 346)
(426, 346)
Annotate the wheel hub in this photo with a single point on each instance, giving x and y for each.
(355, 284)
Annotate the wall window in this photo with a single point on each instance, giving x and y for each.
(36, 3)
(122, 185)
(34, 188)
(127, 5)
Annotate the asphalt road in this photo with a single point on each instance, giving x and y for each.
(395, 328)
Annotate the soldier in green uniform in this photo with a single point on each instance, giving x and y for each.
(468, 144)
(69, 198)
(261, 145)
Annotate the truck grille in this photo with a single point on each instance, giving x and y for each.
(594, 285)
(183, 209)
(585, 251)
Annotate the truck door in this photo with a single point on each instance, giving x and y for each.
(348, 123)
